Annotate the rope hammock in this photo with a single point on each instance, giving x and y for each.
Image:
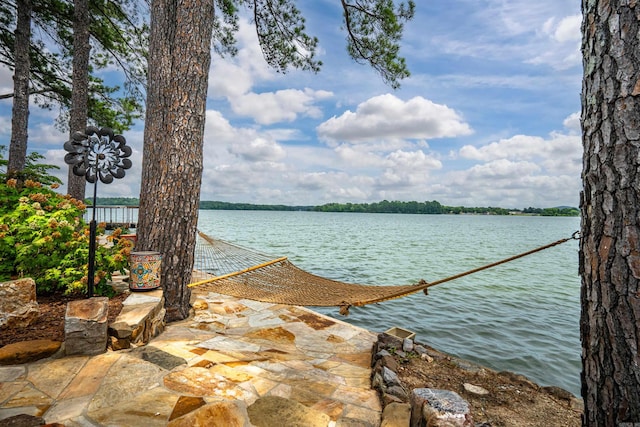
(229, 269)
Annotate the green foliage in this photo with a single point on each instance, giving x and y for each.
(33, 170)
(115, 201)
(118, 40)
(559, 211)
(214, 205)
(281, 31)
(43, 236)
(435, 207)
(225, 25)
(385, 206)
(458, 210)
(375, 30)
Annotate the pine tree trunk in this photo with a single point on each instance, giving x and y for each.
(80, 82)
(610, 236)
(179, 58)
(20, 112)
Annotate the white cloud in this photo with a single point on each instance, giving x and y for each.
(240, 162)
(407, 169)
(5, 127)
(520, 171)
(224, 143)
(524, 147)
(568, 29)
(45, 134)
(279, 106)
(6, 81)
(500, 169)
(572, 123)
(495, 81)
(249, 164)
(361, 157)
(259, 149)
(516, 147)
(510, 184)
(235, 76)
(235, 79)
(565, 156)
(545, 32)
(561, 39)
(227, 79)
(388, 117)
(337, 186)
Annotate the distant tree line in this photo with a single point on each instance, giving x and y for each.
(458, 210)
(559, 211)
(114, 201)
(435, 207)
(215, 205)
(385, 206)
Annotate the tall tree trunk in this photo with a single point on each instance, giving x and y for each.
(179, 58)
(20, 112)
(80, 87)
(610, 236)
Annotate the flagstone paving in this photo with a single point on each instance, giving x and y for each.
(233, 362)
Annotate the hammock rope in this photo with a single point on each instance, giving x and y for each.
(229, 269)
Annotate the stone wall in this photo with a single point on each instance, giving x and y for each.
(141, 318)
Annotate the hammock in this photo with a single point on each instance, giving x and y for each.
(229, 269)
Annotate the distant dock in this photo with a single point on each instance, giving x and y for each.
(114, 216)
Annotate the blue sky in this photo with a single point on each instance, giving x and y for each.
(489, 116)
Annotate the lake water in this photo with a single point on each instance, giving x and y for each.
(522, 316)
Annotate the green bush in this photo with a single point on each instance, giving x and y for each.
(43, 236)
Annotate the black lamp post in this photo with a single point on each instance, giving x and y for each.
(97, 154)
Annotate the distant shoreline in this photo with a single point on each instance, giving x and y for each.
(397, 207)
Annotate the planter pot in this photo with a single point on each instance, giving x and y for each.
(400, 333)
(133, 238)
(144, 274)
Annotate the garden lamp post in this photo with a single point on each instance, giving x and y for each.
(97, 154)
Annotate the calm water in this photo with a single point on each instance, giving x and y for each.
(522, 316)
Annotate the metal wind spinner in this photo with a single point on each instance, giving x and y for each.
(97, 154)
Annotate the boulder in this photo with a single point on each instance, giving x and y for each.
(18, 305)
(475, 389)
(27, 351)
(85, 326)
(439, 408)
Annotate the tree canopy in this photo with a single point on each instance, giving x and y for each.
(119, 39)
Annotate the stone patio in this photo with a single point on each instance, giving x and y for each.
(234, 362)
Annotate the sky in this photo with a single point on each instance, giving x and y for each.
(490, 115)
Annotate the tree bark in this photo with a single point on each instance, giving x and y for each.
(20, 112)
(610, 205)
(179, 59)
(80, 87)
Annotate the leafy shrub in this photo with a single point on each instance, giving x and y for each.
(43, 236)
